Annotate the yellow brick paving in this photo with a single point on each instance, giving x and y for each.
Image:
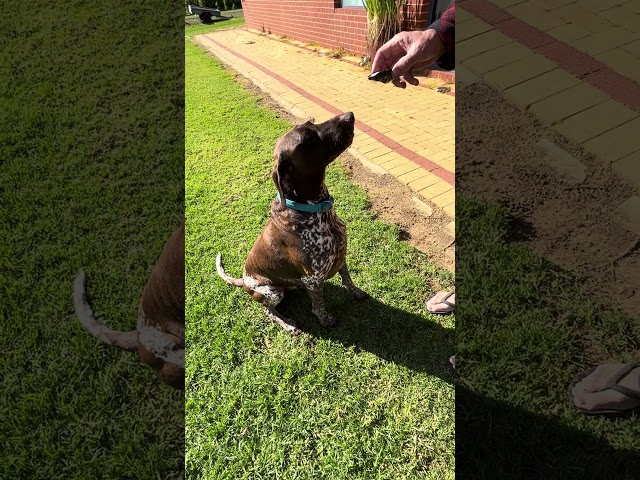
(607, 30)
(419, 119)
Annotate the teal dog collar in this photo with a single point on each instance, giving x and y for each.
(310, 208)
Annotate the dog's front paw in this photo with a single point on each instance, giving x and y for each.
(359, 295)
(294, 331)
(327, 320)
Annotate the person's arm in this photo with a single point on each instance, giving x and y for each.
(446, 26)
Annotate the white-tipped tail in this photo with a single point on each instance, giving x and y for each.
(230, 280)
(124, 340)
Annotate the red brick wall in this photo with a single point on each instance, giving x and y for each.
(415, 14)
(322, 21)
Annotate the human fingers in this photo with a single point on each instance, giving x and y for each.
(383, 59)
(402, 70)
(399, 82)
(423, 65)
(389, 53)
(409, 78)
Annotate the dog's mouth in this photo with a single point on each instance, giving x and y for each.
(341, 131)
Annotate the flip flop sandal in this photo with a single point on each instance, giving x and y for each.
(612, 384)
(444, 300)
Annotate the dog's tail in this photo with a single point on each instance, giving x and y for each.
(230, 280)
(124, 340)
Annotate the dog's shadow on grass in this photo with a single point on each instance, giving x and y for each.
(408, 339)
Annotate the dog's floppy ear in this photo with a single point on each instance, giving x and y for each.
(283, 154)
(278, 176)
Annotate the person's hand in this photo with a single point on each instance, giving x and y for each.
(407, 51)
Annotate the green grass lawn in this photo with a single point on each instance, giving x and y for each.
(200, 28)
(524, 330)
(369, 399)
(91, 176)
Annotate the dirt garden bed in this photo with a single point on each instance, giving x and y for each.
(571, 224)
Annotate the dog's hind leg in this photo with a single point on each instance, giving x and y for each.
(347, 282)
(270, 297)
(283, 321)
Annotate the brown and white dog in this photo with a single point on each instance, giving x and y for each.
(159, 336)
(299, 247)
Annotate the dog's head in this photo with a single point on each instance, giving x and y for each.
(303, 153)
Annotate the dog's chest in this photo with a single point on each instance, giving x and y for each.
(323, 237)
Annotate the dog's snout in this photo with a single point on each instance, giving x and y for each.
(348, 117)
